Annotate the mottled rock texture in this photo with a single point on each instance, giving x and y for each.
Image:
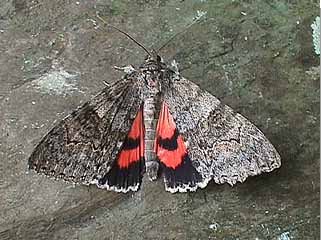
(255, 56)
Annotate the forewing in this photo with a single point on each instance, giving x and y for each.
(84, 145)
(222, 144)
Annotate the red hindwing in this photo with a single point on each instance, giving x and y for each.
(169, 144)
(133, 148)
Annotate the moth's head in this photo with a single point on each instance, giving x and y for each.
(151, 69)
(154, 57)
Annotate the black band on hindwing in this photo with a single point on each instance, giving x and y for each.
(169, 144)
(131, 143)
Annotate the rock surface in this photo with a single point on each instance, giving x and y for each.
(256, 56)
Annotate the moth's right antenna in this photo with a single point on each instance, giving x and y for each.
(197, 20)
(126, 34)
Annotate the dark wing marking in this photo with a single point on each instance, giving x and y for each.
(222, 144)
(83, 146)
(127, 172)
(179, 173)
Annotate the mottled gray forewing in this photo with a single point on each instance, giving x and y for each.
(82, 146)
(222, 144)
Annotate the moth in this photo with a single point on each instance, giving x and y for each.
(154, 121)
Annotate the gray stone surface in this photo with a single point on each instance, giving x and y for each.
(256, 56)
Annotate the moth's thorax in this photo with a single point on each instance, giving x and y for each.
(152, 72)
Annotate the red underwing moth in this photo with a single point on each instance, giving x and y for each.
(154, 120)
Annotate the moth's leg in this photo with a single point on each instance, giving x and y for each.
(106, 83)
(127, 69)
(174, 66)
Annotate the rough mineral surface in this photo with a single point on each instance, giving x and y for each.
(255, 56)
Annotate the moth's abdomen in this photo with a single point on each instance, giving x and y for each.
(150, 121)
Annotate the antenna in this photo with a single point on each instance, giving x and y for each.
(126, 34)
(197, 20)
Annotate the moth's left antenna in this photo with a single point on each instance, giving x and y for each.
(126, 34)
